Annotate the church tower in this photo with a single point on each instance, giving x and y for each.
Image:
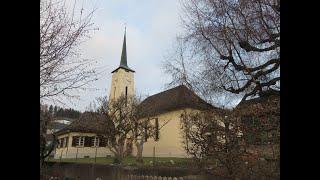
(122, 83)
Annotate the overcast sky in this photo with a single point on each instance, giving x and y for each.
(152, 26)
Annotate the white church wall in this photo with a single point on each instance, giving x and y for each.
(170, 137)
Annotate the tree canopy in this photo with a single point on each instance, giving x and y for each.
(228, 46)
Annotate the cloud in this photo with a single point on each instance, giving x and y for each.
(151, 30)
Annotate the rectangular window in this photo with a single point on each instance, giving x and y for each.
(87, 141)
(95, 141)
(67, 141)
(146, 131)
(80, 141)
(103, 142)
(157, 130)
(126, 94)
(64, 140)
(60, 143)
(75, 140)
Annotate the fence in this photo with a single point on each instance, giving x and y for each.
(137, 177)
(107, 172)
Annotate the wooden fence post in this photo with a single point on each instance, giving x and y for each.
(154, 156)
(95, 156)
(77, 154)
(61, 154)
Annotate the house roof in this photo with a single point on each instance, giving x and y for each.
(88, 122)
(173, 99)
(56, 125)
(268, 102)
(263, 97)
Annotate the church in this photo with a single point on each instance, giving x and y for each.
(79, 139)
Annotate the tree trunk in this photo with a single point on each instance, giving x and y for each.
(118, 156)
(139, 146)
(119, 152)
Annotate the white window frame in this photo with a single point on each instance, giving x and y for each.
(96, 141)
(67, 142)
(64, 144)
(61, 143)
(80, 142)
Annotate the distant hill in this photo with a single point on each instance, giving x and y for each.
(59, 112)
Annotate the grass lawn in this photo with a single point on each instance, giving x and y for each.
(130, 161)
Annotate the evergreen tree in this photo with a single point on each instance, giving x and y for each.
(51, 110)
(55, 109)
(59, 112)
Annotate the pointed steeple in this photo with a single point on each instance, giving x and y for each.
(123, 61)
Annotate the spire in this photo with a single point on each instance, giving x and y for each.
(123, 61)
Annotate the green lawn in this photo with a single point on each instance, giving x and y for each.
(130, 160)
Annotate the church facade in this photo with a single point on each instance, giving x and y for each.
(165, 107)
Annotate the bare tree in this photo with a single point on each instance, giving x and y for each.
(178, 66)
(212, 136)
(233, 47)
(238, 140)
(260, 119)
(236, 45)
(143, 130)
(62, 30)
(118, 113)
(127, 125)
(185, 68)
(45, 148)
